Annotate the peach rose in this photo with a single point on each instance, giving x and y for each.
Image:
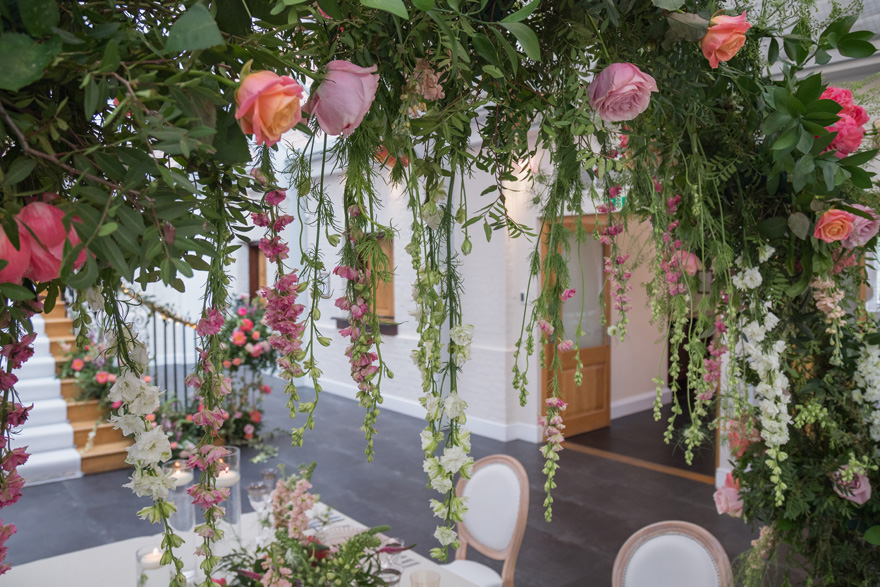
(725, 37)
(268, 105)
(834, 225)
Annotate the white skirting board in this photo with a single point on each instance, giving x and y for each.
(638, 403)
(478, 426)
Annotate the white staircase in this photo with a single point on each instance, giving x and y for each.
(47, 432)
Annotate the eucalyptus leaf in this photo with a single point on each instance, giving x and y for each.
(193, 31)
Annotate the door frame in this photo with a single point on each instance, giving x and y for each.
(590, 222)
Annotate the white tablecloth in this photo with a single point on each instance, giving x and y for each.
(113, 565)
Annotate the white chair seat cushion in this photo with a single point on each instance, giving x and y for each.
(671, 560)
(476, 573)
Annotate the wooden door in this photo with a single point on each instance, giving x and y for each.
(589, 404)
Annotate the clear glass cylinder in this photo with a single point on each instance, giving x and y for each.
(184, 519)
(149, 569)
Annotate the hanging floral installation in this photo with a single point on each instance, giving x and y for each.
(137, 142)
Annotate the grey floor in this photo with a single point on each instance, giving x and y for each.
(599, 503)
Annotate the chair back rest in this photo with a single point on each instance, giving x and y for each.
(498, 503)
(672, 554)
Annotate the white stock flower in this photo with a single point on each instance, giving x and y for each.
(95, 299)
(138, 354)
(454, 406)
(150, 447)
(461, 355)
(126, 388)
(146, 402)
(454, 458)
(153, 486)
(765, 251)
(128, 423)
(439, 508)
(754, 331)
(441, 484)
(752, 278)
(432, 406)
(427, 437)
(462, 334)
(445, 536)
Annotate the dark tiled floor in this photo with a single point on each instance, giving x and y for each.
(641, 437)
(599, 503)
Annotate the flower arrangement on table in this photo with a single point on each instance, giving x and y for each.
(296, 555)
(94, 374)
(248, 339)
(239, 427)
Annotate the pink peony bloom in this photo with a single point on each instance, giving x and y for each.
(857, 491)
(18, 259)
(725, 37)
(211, 323)
(242, 311)
(621, 92)
(344, 97)
(567, 294)
(268, 106)
(834, 225)
(246, 325)
(849, 136)
(727, 498)
(863, 229)
(275, 197)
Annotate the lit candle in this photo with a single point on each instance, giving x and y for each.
(227, 478)
(152, 560)
(181, 476)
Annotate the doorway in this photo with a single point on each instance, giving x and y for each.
(589, 404)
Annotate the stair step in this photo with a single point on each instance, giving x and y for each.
(40, 365)
(105, 434)
(56, 349)
(105, 457)
(59, 311)
(55, 465)
(69, 389)
(86, 411)
(39, 439)
(38, 388)
(58, 327)
(47, 411)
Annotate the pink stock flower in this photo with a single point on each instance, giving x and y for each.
(18, 259)
(281, 222)
(727, 498)
(863, 229)
(567, 294)
(275, 197)
(268, 106)
(19, 352)
(834, 225)
(858, 490)
(348, 273)
(193, 380)
(207, 498)
(18, 415)
(545, 327)
(621, 92)
(342, 100)
(7, 381)
(565, 345)
(209, 418)
(10, 489)
(725, 37)
(556, 402)
(274, 249)
(14, 458)
(261, 220)
(211, 323)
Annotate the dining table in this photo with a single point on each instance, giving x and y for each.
(113, 564)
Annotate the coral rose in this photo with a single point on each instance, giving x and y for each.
(621, 92)
(834, 225)
(344, 97)
(268, 105)
(863, 229)
(17, 259)
(725, 37)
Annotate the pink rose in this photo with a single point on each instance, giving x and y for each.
(844, 97)
(725, 37)
(249, 429)
(863, 229)
(18, 259)
(727, 499)
(344, 97)
(256, 416)
(268, 106)
(102, 377)
(834, 225)
(621, 92)
(688, 262)
(858, 490)
(242, 311)
(849, 136)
